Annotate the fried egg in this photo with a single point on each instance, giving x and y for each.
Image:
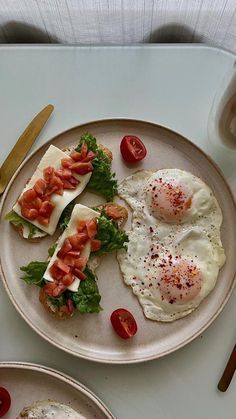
(47, 409)
(174, 252)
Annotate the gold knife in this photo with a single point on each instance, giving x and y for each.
(22, 146)
(228, 372)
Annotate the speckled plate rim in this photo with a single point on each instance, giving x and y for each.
(61, 377)
(133, 359)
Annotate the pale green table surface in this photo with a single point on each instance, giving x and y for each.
(173, 85)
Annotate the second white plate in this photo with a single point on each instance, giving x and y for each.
(28, 383)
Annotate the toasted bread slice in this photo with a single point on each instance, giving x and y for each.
(93, 262)
(106, 151)
(51, 309)
(122, 212)
(20, 229)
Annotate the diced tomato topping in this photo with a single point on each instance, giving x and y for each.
(90, 156)
(67, 184)
(77, 272)
(61, 265)
(113, 212)
(37, 203)
(74, 254)
(80, 263)
(84, 150)
(91, 226)
(70, 305)
(69, 260)
(28, 196)
(40, 187)
(67, 162)
(63, 173)
(56, 272)
(31, 214)
(58, 290)
(75, 155)
(55, 186)
(47, 173)
(49, 288)
(81, 226)
(95, 245)
(68, 279)
(43, 220)
(74, 181)
(54, 289)
(66, 247)
(46, 209)
(77, 239)
(82, 168)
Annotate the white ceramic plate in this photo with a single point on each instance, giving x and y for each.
(27, 383)
(91, 336)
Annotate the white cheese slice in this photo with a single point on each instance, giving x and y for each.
(52, 158)
(80, 212)
(37, 234)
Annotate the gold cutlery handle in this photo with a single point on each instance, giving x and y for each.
(22, 146)
(228, 372)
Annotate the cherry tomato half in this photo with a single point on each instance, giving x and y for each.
(5, 401)
(132, 149)
(123, 323)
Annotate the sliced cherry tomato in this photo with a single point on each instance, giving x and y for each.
(5, 401)
(123, 323)
(95, 245)
(132, 149)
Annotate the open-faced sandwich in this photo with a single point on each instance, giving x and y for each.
(67, 279)
(60, 177)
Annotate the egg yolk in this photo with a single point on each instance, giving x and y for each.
(179, 280)
(169, 200)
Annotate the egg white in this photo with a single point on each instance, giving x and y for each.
(47, 409)
(196, 238)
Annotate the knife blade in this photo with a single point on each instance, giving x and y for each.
(22, 146)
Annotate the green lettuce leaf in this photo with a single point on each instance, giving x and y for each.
(66, 214)
(59, 301)
(52, 249)
(87, 298)
(34, 272)
(111, 237)
(102, 181)
(17, 221)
